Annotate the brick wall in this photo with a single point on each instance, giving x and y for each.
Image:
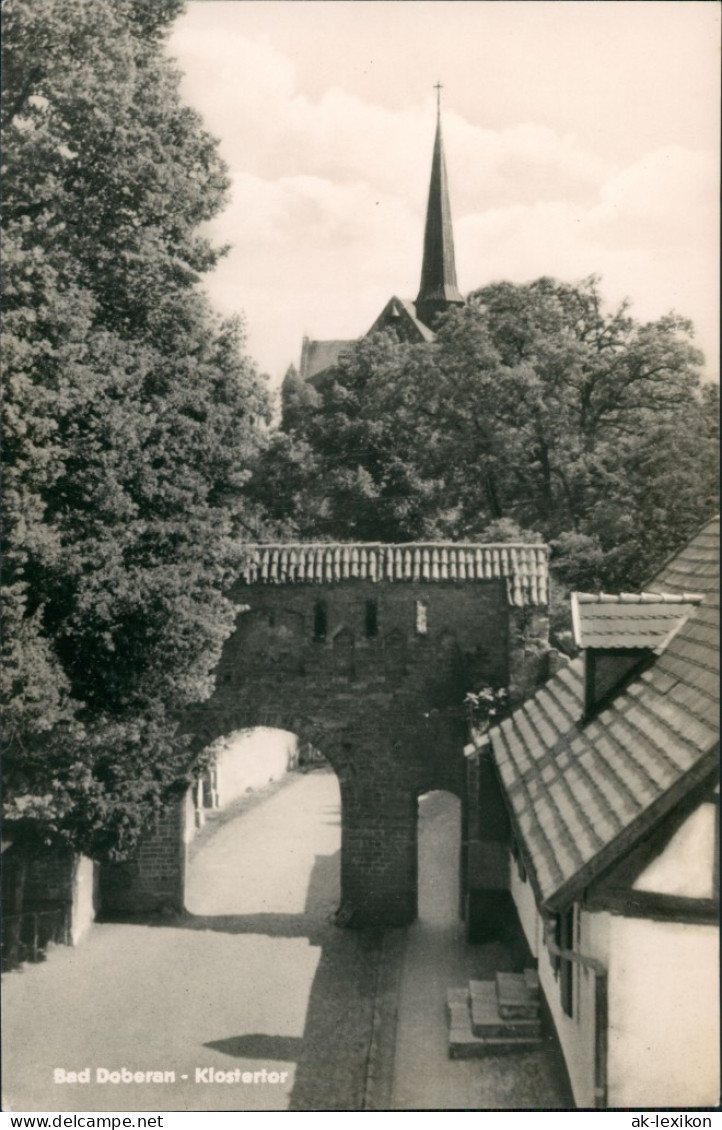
(51, 878)
(155, 879)
(487, 880)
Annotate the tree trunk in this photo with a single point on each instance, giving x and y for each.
(17, 867)
(492, 496)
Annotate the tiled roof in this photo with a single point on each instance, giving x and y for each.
(696, 567)
(523, 567)
(581, 797)
(630, 620)
(317, 356)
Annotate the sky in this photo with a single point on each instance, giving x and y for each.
(581, 137)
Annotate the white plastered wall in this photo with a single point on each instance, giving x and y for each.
(83, 905)
(686, 865)
(576, 1033)
(250, 759)
(664, 1021)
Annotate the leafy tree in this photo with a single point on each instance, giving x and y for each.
(131, 420)
(356, 449)
(534, 404)
(657, 488)
(287, 487)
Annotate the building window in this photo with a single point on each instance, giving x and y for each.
(565, 940)
(320, 620)
(422, 618)
(372, 619)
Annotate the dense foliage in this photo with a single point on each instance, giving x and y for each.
(534, 405)
(131, 417)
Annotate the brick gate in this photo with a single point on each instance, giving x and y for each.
(366, 651)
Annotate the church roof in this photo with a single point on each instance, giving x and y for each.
(412, 321)
(582, 794)
(400, 314)
(317, 356)
(438, 272)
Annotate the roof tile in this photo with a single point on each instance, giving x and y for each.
(631, 621)
(523, 567)
(573, 790)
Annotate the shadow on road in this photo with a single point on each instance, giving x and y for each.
(256, 1045)
(332, 1054)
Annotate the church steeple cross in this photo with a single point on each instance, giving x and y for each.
(439, 289)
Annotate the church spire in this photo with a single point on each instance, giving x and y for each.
(438, 289)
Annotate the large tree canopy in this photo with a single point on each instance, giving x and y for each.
(131, 417)
(534, 404)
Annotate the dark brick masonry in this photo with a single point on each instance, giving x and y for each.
(373, 673)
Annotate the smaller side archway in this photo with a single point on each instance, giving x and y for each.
(440, 866)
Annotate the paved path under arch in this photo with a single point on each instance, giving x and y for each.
(437, 958)
(257, 978)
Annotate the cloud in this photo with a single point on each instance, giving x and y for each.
(672, 190)
(649, 233)
(311, 257)
(329, 192)
(246, 92)
(521, 164)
